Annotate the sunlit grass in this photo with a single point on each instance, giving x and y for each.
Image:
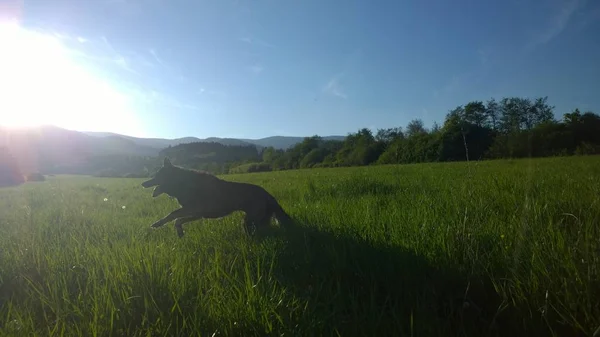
(489, 248)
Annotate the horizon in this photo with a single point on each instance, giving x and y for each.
(33, 127)
(155, 69)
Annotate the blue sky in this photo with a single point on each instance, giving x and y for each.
(252, 69)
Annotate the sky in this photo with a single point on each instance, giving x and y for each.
(259, 68)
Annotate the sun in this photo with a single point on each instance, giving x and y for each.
(41, 84)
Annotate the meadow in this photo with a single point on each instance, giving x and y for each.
(495, 248)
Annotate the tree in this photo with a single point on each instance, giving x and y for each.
(511, 110)
(585, 127)
(539, 113)
(572, 118)
(10, 174)
(270, 154)
(522, 114)
(464, 134)
(512, 127)
(493, 114)
(211, 156)
(387, 136)
(415, 127)
(314, 157)
(475, 113)
(359, 148)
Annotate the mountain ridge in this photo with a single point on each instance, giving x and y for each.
(278, 142)
(54, 149)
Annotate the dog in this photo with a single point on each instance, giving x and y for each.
(203, 195)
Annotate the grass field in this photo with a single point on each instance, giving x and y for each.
(506, 248)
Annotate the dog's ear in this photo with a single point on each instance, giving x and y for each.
(167, 162)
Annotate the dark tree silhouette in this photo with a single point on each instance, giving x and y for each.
(10, 174)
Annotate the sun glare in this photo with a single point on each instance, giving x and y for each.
(41, 84)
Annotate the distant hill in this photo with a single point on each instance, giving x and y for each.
(55, 150)
(157, 143)
(278, 142)
(282, 142)
(48, 146)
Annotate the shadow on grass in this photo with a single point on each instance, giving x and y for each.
(342, 285)
(356, 288)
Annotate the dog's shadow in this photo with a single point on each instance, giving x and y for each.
(353, 287)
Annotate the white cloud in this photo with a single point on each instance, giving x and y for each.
(155, 55)
(256, 69)
(256, 41)
(558, 23)
(123, 63)
(215, 93)
(333, 87)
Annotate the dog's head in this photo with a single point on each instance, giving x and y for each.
(165, 176)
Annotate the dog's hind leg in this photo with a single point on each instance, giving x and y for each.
(248, 225)
(282, 217)
(252, 223)
(255, 222)
(180, 221)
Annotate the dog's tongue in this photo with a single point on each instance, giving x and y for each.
(157, 191)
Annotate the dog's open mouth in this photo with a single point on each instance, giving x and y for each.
(157, 191)
(149, 183)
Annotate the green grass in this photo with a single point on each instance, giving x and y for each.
(490, 248)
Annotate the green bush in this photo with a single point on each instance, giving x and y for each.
(587, 149)
(107, 173)
(35, 176)
(251, 167)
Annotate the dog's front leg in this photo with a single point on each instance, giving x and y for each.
(178, 213)
(180, 221)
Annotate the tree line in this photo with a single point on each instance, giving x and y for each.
(211, 156)
(512, 127)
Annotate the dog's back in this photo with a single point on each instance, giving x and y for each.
(216, 198)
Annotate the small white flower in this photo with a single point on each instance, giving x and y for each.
(123, 207)
(105, 199)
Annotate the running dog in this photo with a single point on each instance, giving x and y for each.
(203, 195)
